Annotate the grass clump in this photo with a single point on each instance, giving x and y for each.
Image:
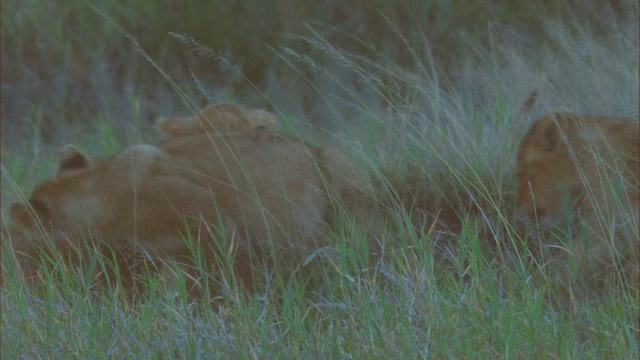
(466, 279)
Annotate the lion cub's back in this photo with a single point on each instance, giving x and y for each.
(270, 180)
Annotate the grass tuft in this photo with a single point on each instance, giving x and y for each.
(438, 128)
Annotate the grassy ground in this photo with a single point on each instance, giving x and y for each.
(439, 132)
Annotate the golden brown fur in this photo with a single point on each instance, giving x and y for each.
(287, 188)
(220, 118)
(137, 200)
(116, 198)
(587, 166)
(569, 153)
(246, 193)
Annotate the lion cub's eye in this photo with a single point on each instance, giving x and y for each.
(39, 206)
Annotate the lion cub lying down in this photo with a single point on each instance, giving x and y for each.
(588, 166)
(252, 193)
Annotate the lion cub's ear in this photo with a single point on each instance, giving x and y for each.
(550, 131)
(555, 126)
(263, 119)
(170, 127)
(550, 137)
(72, 159)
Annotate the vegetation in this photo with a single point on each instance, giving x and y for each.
(427, 92)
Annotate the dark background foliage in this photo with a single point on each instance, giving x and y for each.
(66, 63)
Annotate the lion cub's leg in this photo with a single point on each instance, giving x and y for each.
(208, 238)
(351, 193)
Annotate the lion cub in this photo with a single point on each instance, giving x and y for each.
(220, 118)
(263, 202)
(588, 167)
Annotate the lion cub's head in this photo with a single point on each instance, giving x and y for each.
(570, 162)
(220, 118)
(38, 213)
(76, 198)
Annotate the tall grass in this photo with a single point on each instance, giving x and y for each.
(90, 68)
(466, 281)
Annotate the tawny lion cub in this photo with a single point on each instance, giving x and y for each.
(270, 198)
(587, 166)
(139, 197)
(220, 118)
(134, 204)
